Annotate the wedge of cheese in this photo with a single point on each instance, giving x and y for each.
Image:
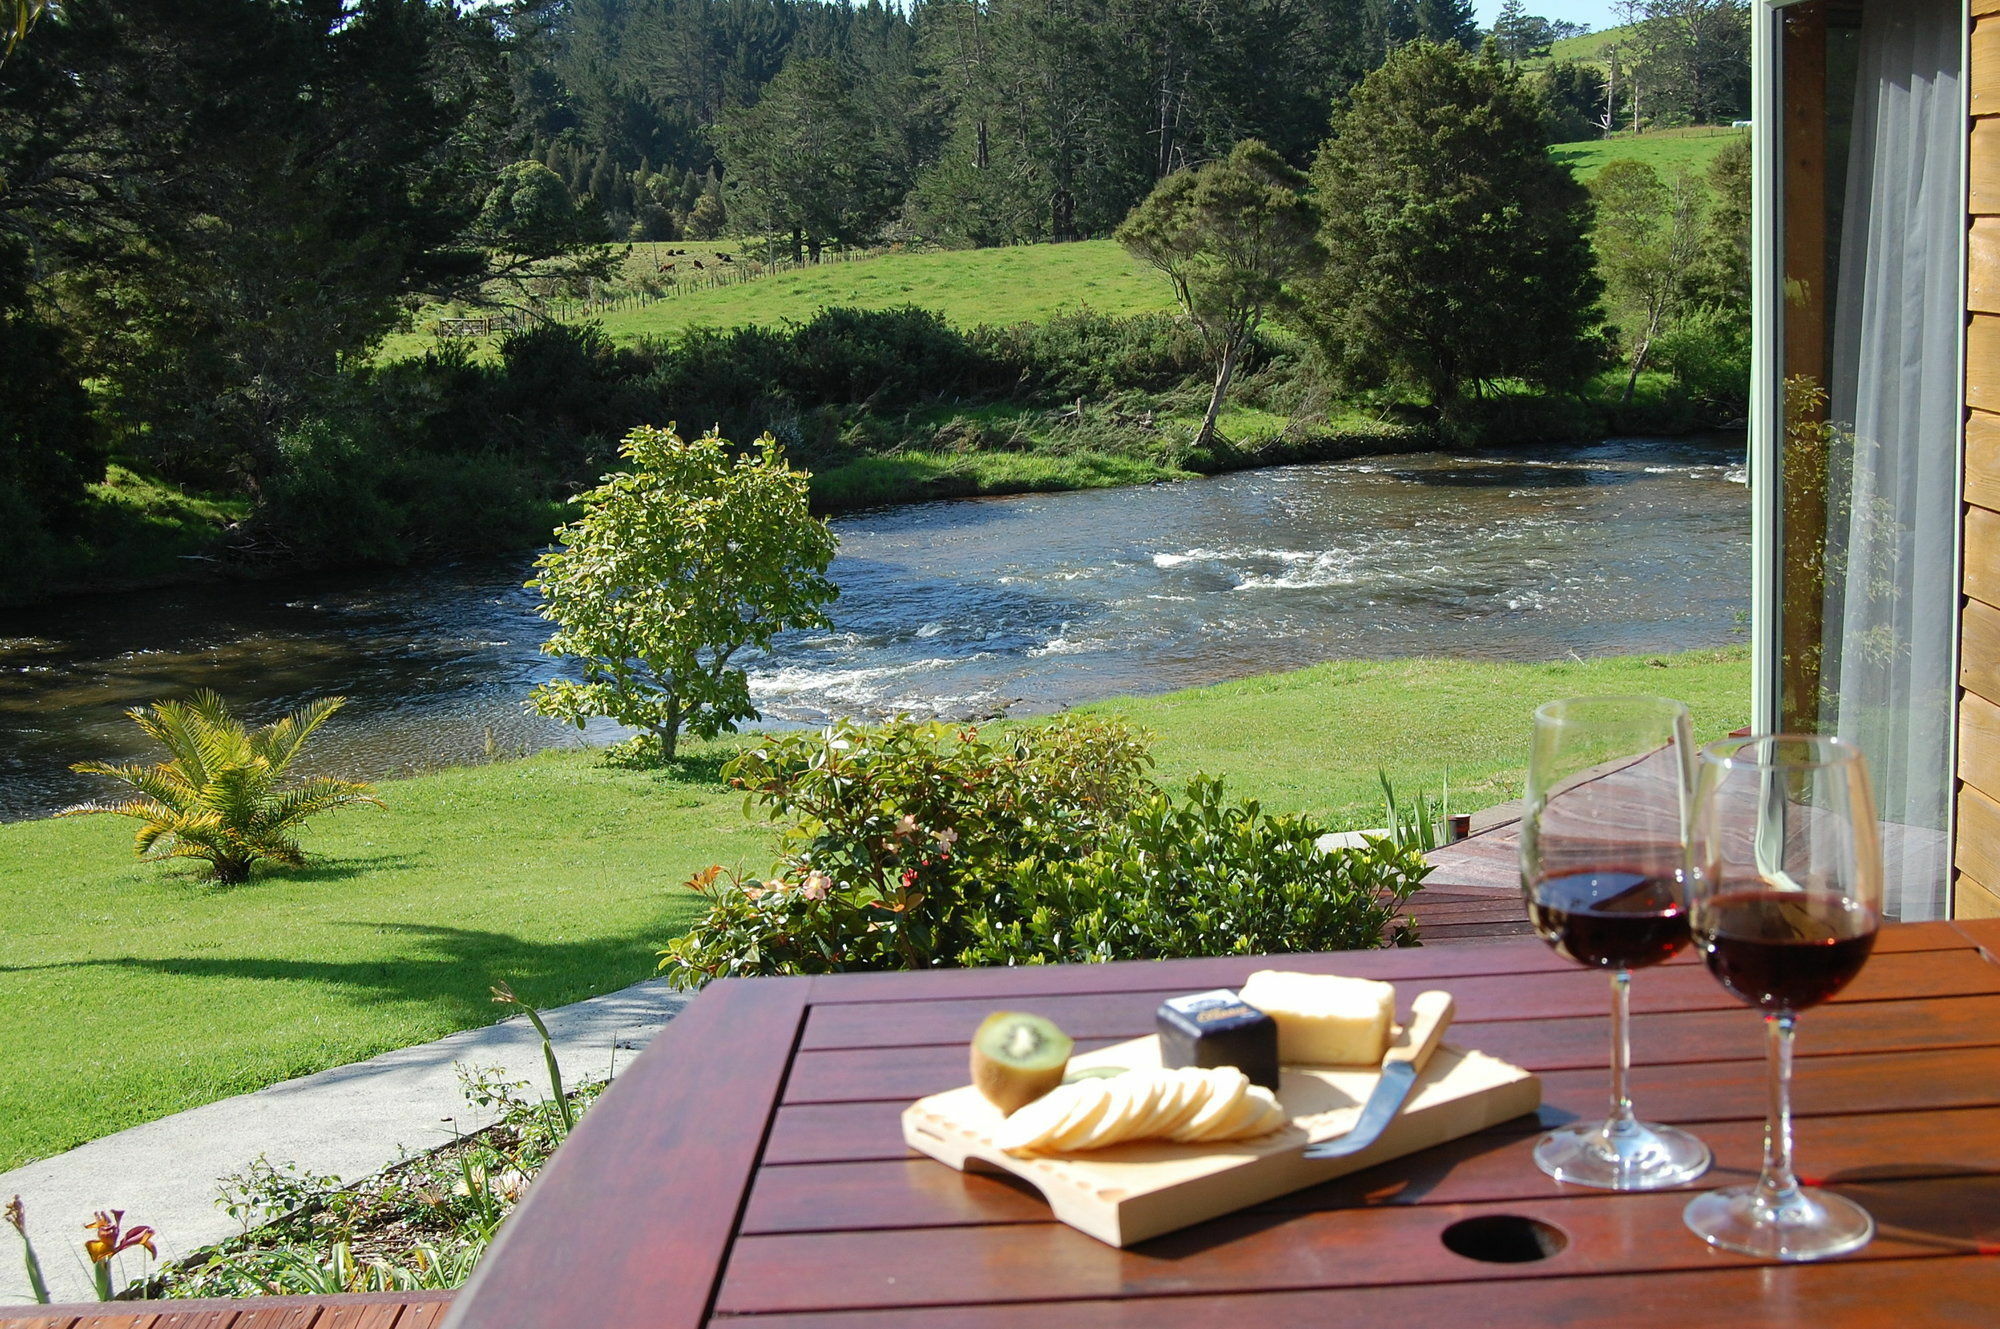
(1323, 1019)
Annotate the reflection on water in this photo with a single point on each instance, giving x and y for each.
(960, 608)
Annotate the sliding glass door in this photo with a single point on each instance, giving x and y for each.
(1857, 435)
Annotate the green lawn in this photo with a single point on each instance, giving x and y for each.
(1665, 150)
(1020, 283)
(131, 991)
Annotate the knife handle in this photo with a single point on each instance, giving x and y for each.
(1430, 1014)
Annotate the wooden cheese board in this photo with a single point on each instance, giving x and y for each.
(1128, 1193)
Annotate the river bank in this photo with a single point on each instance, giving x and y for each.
(138, 532)
(133, 991)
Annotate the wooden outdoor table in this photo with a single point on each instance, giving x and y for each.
(749, 1169)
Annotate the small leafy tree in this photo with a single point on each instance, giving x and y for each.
(1648, 238)
(223, 796)
(1457, 250)
(1229, 236)
(675, 567)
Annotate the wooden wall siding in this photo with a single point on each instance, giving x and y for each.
(1976, 887)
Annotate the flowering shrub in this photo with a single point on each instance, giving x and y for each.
(913, 846)
(897, 836)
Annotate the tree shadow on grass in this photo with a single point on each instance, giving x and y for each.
(450, 970)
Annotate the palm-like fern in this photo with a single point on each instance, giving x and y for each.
(223, 795)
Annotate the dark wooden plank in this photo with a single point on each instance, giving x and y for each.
(239, 1312)
(1175, 975)
(424, 1315)
(357, 1317)
(220, 1318)
(35, 1317)
(1702, 1092)
(631, 1220)
(851, 1075)
(1981, 932)
(1957, 1293)
(918, 1192)
(1396, 966)
(1606, 1234)
(1540, 995)
(300, 1317)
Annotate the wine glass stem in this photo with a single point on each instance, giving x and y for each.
(1621, 1119)
(1778, 1183)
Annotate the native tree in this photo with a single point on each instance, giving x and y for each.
(1457, 248)
(1229, 236)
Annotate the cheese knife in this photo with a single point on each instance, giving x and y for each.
(1430, 1013)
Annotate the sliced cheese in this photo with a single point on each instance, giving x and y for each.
(1190, 1105)
(1323, 1019)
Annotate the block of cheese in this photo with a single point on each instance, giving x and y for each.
(1323, 1019)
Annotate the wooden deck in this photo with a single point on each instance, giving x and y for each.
(371, 1310)
(1473, 894)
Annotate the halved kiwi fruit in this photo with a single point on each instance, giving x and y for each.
(1017, 1058)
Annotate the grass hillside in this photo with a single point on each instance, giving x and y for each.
(130, 991)
(1017, 284)
(1667, 151)
(1588, 49)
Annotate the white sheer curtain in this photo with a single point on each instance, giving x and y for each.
(1888, 681)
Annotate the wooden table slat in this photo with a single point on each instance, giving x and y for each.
(848, 1075)
(1525, 994)
(1684, 1093)
(917, 1192)
(1249, 1253)
(1422, 962)
(1879, 1294)
(683, 1126)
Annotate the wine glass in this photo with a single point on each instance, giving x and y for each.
(1785, 901)
(1603, 862)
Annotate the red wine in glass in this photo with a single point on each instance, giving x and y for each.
(1783, 951)
(1610, 919)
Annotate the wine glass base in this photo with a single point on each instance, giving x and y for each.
(1811, 1225)
(1641, 1157)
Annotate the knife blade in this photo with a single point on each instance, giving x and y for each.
(1430, 1013)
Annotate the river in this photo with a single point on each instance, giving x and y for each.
(957, 609)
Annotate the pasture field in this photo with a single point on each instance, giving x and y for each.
(1665, 150)
(130, 991)
(1016, 284)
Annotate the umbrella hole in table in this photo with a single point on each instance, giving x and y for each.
(1504, 1239)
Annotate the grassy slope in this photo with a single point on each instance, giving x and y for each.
(1665, 150)
(1588, 49)
(132, 991)
(1021, 283)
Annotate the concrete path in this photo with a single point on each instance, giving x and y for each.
(350, 1121)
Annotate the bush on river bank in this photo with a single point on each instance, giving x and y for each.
(449, 454)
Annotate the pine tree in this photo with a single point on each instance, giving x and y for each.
(1457, 247)
(1447, 22)
(1519, 34)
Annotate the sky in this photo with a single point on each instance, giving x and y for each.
(1597, 13)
